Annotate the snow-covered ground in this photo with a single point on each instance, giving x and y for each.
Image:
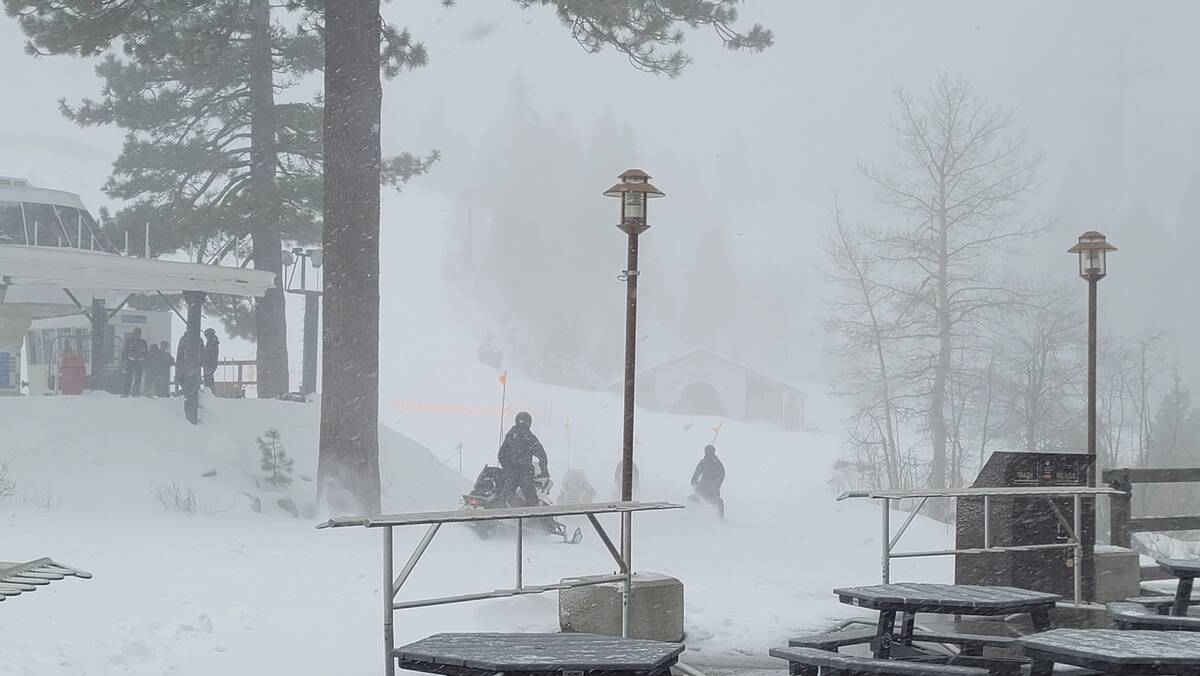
(232, 591)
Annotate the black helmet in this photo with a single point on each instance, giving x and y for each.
(710, 449)
(210, 332)
(524, 419)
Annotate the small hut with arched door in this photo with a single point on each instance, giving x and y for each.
(702, 382)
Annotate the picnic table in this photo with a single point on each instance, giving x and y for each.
(1113, 651)
(911, 598)
(1186, 570)
(486, 654)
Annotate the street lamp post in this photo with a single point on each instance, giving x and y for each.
(635, 191)
(1092, 249)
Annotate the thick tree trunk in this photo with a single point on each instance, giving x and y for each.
(270, 318)
(348, 469)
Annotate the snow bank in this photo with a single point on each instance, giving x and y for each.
(101, 454)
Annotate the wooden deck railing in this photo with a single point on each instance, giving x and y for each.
(1121, 518)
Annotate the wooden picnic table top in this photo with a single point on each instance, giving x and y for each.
(490, 653)
(465, 515)
(1104, 648)
(1180, 567)
(946, 598)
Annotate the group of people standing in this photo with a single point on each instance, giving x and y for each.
(147, 368)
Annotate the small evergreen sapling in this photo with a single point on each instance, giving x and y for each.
(275, 460)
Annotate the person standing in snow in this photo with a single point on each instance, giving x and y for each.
(158, 370)
(708, 477)
(133, 359)
(209, 356)
(516, 456)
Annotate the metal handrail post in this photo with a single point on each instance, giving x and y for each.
(987, 521)
(389, 636)
(520, 552)
(1079, 550)
(886, 560)
(627, 555)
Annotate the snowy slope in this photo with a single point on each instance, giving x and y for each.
(232, 591)
(103, 454)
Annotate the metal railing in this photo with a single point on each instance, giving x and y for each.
(1121, 520)
(435, 520)
(1073, 528)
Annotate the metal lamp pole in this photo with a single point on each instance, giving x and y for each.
(1092, 249)
(634, 191)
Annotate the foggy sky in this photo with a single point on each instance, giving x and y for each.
(1105, 88)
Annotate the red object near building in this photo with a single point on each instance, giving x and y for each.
(72, 374)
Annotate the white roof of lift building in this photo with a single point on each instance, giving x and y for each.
(75, 269)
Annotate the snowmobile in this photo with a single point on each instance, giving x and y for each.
(486, 494)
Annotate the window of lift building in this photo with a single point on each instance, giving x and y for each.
(42, 224)
(12, 226)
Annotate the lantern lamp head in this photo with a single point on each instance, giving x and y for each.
(1092, 249)
(635, 190)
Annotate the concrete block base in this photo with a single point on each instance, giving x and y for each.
(1118, 574)
(655, 608)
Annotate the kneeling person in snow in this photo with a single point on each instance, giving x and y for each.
(576, 489)
(708, 477)
(516, 456)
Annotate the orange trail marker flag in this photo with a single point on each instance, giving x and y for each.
(716, 430)
(503, 396)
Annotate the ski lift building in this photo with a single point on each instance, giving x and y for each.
(702, 382)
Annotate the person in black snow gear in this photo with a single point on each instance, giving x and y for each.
(209, 355)
(158, 370)
(133, 358)
(516, 456)
(708, 477)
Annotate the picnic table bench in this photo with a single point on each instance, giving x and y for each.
(1136, 616)
(487, 654)
(1186, 570)
(838, 638)
(810, 661)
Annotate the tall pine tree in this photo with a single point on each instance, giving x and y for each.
(211, 157)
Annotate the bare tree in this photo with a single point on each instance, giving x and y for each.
(1114, 400)
(1040, 375)
(961, 185)
(1149, 365)
(866, 340)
